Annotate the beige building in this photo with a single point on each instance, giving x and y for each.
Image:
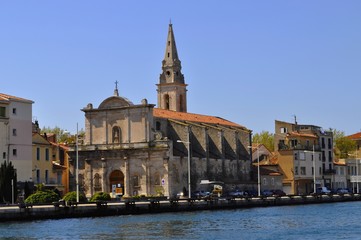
(136, 149)
(297, 147)
(50, 161)
(15, 134)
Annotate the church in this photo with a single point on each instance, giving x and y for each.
(142, 149)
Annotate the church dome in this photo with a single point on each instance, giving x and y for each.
(115, 102)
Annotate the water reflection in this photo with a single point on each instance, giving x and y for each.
(326, 221)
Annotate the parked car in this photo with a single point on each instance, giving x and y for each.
(237, 193)
(278, 193)
(342, 190)
(323, 190)
(267, 193)
(200, 194)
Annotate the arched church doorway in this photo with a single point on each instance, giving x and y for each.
(116, 181)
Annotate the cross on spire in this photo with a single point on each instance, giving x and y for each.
(116, 93)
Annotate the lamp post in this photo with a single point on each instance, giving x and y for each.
(258, 171)
(357, 175)
(189, 166)
(314, 169)
(77, 165)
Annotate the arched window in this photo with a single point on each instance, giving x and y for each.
(181, 103)
(166, 101)
(116, 135)
(97, 184)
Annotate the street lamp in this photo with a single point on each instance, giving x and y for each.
(258, 171)
(77, 165)
(314, 169)
(189, 165)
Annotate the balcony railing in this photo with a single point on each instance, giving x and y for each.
(282, 146)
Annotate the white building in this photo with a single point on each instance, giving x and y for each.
(16, 134)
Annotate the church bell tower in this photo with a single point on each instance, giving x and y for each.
(172, 91)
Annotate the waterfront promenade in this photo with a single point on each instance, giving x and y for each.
(131, 206)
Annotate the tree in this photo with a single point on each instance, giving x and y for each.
(266, 138)
(8, 180)
(63, 136)
(343, 145)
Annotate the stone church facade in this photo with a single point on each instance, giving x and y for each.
(137, 149)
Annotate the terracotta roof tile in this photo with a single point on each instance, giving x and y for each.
(7, 97)
(192, 117)
(355, 136)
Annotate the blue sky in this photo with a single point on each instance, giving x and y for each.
(251, 62)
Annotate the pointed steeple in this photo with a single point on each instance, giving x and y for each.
(171, 64)
(172, 91)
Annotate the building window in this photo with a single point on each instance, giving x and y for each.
(46, 176)
(14, 111)
(313, 170)
(37, 175)
(330, 156)
(303, 170)
(296, 156)
(181, 103)
(59, 179)
(293, 142)
(265, 181)
(47, 154)
(136, 181)
(4, 155)
(302, 156)
(166, 101)
(283, 130)
(2, 112)
(37, 153)
(14, 132)
(15, 152)
(296, 170)
(272, 181)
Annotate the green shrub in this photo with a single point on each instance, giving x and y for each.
(100, 196)
(71, 197)
(42, 197)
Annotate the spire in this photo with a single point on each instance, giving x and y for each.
(171, 64)
(171, 54)
(116, 93)
(172, 91)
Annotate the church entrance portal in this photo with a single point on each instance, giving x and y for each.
(116, 181)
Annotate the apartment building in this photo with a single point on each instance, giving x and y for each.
(305, 155)
(15, 134)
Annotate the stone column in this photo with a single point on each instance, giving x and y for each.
(104, 174)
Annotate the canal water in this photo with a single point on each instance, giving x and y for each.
(316, 221)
